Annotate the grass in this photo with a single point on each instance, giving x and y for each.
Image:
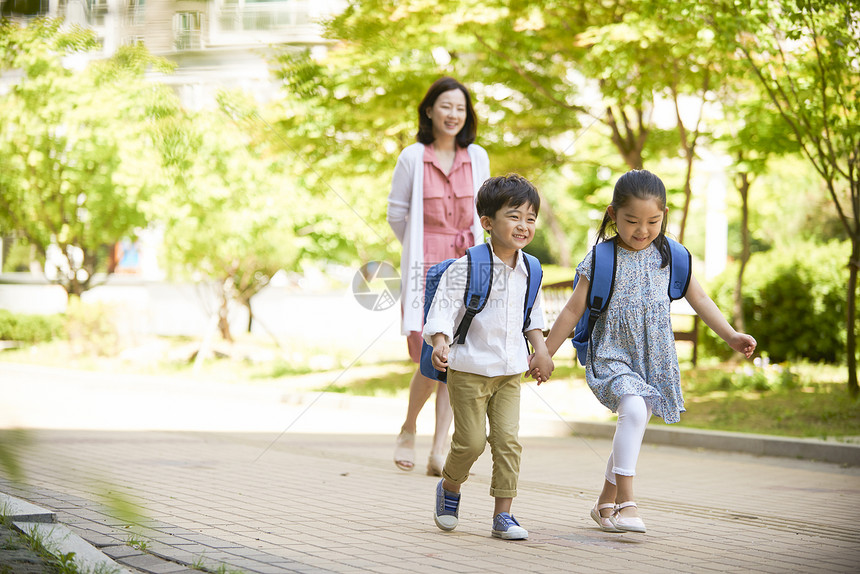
(251, 358)
(200, 563)
(22, 554)
(798, 400)
(393, 383)
(814, 404)
(137, 542)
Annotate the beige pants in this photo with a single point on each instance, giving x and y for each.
(476, 399)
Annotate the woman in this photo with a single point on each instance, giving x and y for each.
(431, 209)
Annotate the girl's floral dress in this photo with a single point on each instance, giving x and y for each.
(632, 347)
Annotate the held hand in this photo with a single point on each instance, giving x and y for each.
(534, 371)
(541, 367)
(439, 358)
(743, 343)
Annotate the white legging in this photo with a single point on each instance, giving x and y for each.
(633, 414)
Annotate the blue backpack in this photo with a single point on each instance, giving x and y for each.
(478, 285)
(603, 281)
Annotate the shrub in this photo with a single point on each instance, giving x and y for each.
(764, 376)
(29, 328)
(793, 303)
(92, 328)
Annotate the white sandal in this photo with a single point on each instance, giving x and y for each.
(605, 522)
(435, 464)
(404, 451)
(627, 523)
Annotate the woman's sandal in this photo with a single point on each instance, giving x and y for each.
(404, 451)
(435, 464)
(605, 522)
(627, 523)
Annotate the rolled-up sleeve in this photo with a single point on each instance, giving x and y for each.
(446, 310)
(400, 196)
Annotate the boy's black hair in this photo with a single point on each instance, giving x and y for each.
(502, 190)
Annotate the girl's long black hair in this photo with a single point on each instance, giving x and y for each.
(641, 184)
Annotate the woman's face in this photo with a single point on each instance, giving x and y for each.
(448, 114)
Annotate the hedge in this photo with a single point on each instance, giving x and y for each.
(794, 303)
(29, 328)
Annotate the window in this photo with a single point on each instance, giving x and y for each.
(98, 9)
(133, 40)
(262, 15)
(136, 11)
(187, 30)
(24, 7)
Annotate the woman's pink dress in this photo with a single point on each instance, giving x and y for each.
(449, 211)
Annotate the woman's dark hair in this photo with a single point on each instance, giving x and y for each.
(466, 135)
(502, 190)
(641, 184)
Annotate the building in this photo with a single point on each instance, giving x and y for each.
(214, 43)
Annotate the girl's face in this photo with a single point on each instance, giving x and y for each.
(448, 114)
(639, 222)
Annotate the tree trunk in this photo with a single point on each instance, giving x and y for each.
(743, 185)
(851, 318)
(689, 147)
(247, 304)
(629, 139)
(688, 195)
(560, 238)
(223, 320)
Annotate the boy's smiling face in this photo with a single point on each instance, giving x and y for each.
(511, 228)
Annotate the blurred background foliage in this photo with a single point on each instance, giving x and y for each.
(569, 94)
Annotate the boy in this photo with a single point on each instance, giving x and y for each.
(484, 380)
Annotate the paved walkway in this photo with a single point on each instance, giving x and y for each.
(315, 502)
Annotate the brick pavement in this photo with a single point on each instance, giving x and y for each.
(317, 503)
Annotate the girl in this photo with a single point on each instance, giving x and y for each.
(431, 209)
(631, 366)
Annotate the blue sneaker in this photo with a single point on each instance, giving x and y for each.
(447, 508)
(506, 527)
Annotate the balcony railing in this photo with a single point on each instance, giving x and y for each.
(188, 40)
(263, 17)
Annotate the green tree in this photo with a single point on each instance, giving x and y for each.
(542, 73)
(77, 164)
(537, 69)
(752, 133)
(803, 53)
(353, 111)
(231, 218)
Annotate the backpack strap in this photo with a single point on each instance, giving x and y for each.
(600, 287)
(535, 274)
(602, 281)
(431, 284)
(680, 269)
(478, 284)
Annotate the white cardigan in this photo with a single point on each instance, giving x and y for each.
(406, 218)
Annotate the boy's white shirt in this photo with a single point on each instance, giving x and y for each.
(495, 345)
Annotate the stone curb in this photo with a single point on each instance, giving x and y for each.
(757, 444)
(34, 521)
(17, 510)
